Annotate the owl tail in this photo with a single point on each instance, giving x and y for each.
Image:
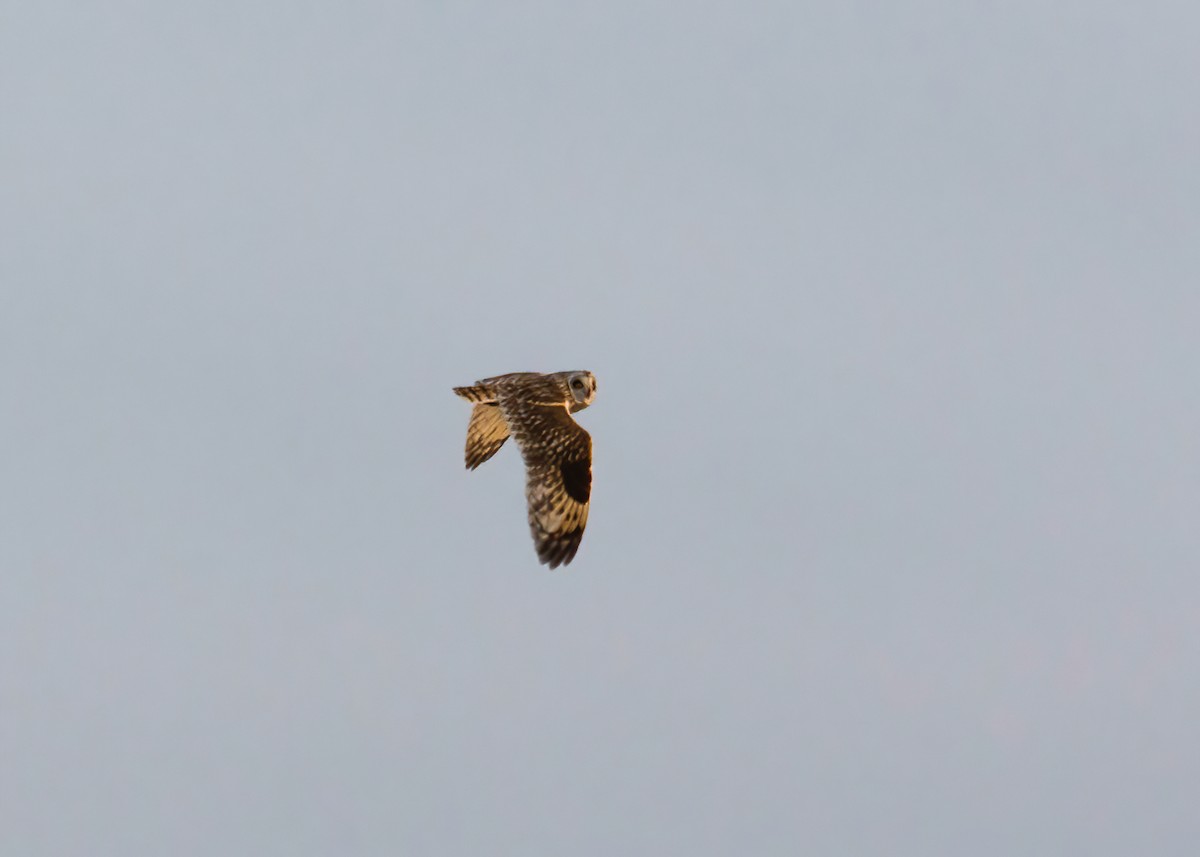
(475, 394)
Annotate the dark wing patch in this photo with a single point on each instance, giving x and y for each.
(577, 479)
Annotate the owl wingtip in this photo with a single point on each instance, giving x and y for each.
(553, 556)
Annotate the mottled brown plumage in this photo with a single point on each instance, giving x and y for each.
(536, 410)
(486, 433)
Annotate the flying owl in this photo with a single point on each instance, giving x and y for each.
(536, 409)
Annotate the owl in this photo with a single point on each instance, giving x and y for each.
(536, 409)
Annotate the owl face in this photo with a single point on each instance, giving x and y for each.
(582, 388)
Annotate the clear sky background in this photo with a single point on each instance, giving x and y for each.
(894, 308)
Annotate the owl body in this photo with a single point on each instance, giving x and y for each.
(535, 409)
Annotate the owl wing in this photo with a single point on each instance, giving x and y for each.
(558, 474)
(486, 433)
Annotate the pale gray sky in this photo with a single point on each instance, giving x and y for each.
(894, 310)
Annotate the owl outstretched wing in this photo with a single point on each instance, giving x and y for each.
(558, 474)
(486, 433)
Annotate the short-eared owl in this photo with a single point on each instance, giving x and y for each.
(536, 409)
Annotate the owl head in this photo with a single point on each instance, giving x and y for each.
(581, 387)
